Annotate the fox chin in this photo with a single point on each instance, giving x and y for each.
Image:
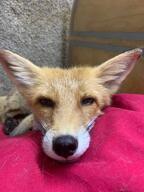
(66, 102)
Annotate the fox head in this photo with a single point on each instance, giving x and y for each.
(66, 102)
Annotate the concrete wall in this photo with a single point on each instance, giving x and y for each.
(35, 29)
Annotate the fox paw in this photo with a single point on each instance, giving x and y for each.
(9, 125)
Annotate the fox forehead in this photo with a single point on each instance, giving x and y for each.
(65, 82)
(66, 76)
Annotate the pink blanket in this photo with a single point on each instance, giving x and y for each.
(113, 163)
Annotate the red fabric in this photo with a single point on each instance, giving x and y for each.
(113, 163)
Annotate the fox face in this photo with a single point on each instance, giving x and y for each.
(66, 102)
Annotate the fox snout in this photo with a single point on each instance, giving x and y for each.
(66, 148)
(68, 144)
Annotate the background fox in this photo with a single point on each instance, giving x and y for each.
(62, 103)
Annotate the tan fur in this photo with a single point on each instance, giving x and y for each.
(66, 88)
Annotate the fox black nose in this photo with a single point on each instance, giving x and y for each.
(65, 146)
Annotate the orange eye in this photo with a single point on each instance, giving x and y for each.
(88, 101)
(46, 102)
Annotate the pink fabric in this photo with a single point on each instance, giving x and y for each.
(113, 163)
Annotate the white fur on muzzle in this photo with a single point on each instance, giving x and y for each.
(83, 138)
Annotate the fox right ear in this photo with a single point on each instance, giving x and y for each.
(112, 73)
(20, 70)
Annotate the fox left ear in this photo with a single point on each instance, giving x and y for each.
(20, 70)
(114, 71)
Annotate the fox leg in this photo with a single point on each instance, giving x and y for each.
(13, 113)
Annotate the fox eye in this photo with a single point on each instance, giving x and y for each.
(88, 101)
(46, 102)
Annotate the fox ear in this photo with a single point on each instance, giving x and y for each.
(114, 71)
(20, 70)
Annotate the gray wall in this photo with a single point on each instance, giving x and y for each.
(35, 29)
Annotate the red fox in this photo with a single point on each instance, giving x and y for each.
(63, 103)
